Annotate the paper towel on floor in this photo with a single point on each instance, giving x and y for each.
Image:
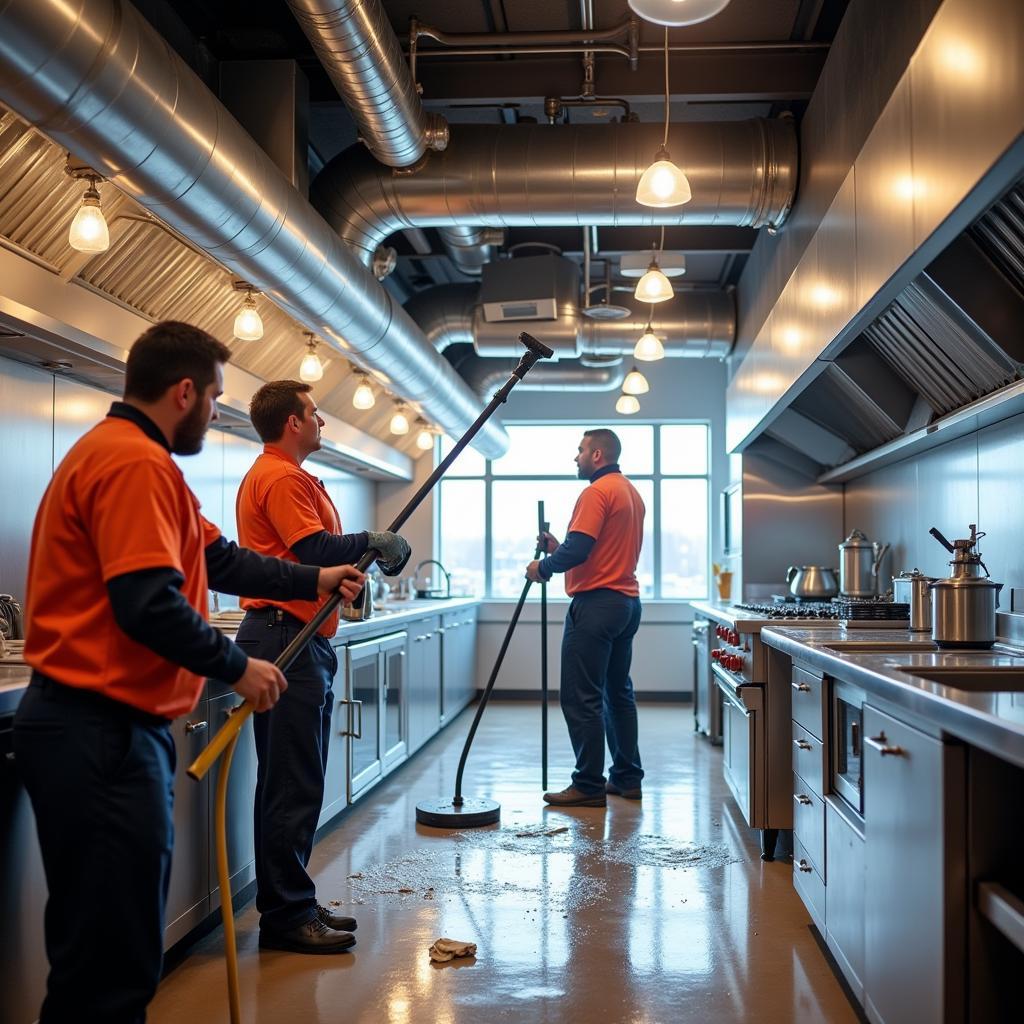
(449, 949)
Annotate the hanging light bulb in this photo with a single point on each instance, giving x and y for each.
(627, 405)
(425, 438)
(654, 286)
(635, 383)
(400, 422)
(248, 323)
(310, 369)
(363, 397)
(664, 184)
(677, 12)
(89, 232)
(649, 348)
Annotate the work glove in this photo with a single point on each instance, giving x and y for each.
(392, 551)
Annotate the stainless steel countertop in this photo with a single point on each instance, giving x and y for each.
(15, 674)
(992, 721)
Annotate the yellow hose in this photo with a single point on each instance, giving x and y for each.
(224, 876)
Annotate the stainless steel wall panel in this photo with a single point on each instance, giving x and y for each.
(966, 81)
(885, 196)
(26, 453)
(76, 409)
(947, 497)
(884, 506)
(1001, 502)
(836, 290)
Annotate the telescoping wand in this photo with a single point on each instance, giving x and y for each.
(225, 739)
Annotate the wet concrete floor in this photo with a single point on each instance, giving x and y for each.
(641, 913)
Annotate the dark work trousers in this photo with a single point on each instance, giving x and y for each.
(291, 747)
(100, 776)
(596, 692)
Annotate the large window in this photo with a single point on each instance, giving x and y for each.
(488, 509)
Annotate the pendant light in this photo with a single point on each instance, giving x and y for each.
(654, 286)
(248, 322)
(399, 422)
(649, 348)
(425, 438)
(677, 12)
(663, 184)
(627, 404)
(363, 397)
(310, 369)
(88, 231)
(635, 383)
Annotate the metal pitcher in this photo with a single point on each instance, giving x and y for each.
(812, 582)
(859, 562)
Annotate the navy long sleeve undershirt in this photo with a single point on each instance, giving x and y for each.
(573, 551)
(326, 548)
(150, 607)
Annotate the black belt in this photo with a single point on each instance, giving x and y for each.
(93, 700)
(275, 617)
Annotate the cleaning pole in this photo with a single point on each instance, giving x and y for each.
(223, 742)
(476, 811)
(542, 527)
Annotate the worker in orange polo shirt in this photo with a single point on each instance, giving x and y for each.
(599, 557)
(117, 637)
(283, 510)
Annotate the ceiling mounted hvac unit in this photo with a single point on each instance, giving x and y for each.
(529, 288)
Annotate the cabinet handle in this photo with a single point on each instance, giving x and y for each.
(440, 631)
(419, 639)
(881, 744)
(802, 798)
(804, 866)
(801, 687)
(401, 654)
(196, 726)
(802, 745)
(358, 734)
(467, 622)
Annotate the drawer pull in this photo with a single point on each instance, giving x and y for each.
(802, 745)
(802, 798)
(804, 866)
(881, 744)
(191, 727)
(801, 687)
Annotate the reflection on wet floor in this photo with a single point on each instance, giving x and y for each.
(647, 913)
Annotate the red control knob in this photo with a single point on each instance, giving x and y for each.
(737, 663)
(730, 662)
(719, 631)
(716, 654)
(734, 638)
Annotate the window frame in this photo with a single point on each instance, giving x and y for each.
(656, 477)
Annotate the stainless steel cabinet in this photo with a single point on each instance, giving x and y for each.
(394, 700)
(424, 681)
(914, 874)
(458, 661)
(336, 779)
(707, 701)
(844, 913)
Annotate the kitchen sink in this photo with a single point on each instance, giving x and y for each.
(879, 646)
(980, 679)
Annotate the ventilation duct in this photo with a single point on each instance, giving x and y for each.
(470, 249)
(742, 173)
(530, 288)
(363, 59)
(96, 78)
(485, 376)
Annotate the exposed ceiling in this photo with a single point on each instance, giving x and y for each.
(706, 84)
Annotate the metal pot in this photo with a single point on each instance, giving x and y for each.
(859, 562)
(911, 587)
(812, 582)
(964, 605)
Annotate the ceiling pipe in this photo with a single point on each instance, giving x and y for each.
(469, 248)
(742, 173)
(363, 59)
(485, 376)
(96, 78)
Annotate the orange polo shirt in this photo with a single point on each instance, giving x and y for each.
(612, 512)
(118, 503)
(278, 505)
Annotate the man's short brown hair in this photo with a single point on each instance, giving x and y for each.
(170, 352)
(273, 404)
(607, 440)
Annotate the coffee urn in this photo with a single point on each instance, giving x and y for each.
(964, 604)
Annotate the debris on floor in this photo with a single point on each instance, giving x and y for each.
(448, 949)
(543, 832)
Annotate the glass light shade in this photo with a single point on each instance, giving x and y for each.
(364, 397)
(636, 383)
(663, 184)
(627, 405)
(248, 323)
(677, 12)
(425, 440)
(654, 286)
(649, 348)
(89, 231)
(399, 423)
(311, 369)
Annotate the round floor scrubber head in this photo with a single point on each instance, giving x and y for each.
(473, 813)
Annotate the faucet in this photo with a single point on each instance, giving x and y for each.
(447, 577)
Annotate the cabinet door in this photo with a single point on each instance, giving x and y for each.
(422, 677)
(458, 656)
(240, 803)
(467, 652)
(336, 779)
(394, 700)
(844, 911)
(188, 897)
(914, 885)
(363, 690)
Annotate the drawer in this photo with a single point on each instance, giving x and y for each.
(809, 823)
(808, 692)
(808, 758)
(809, 885)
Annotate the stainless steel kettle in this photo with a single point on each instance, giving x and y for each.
(964, 604)
(812, 582)
(859, 562)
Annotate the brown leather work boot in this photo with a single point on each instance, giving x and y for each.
(628, 794)
(572, 797)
